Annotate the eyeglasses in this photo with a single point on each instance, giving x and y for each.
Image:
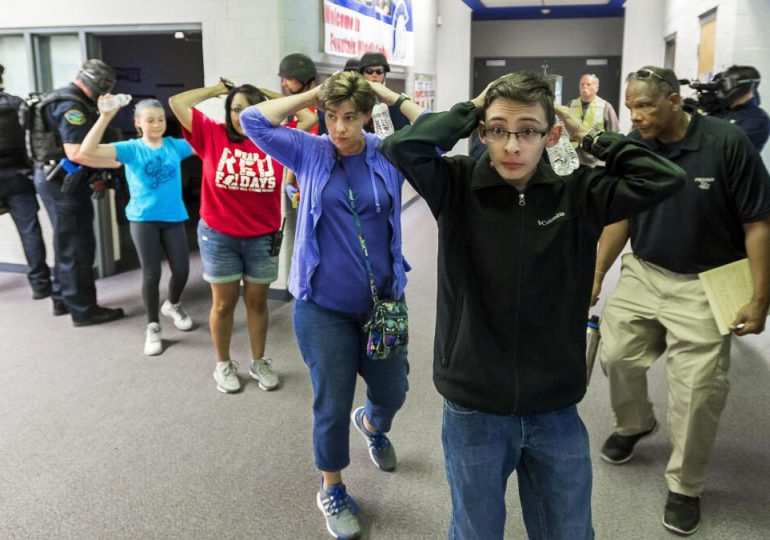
(647, 74)
(374, 71)
(526, 136)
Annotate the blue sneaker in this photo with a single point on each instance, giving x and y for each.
(340, 511)
(380, 450)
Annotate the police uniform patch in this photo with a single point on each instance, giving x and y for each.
(75, 117)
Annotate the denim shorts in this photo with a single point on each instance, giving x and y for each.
(228, 258)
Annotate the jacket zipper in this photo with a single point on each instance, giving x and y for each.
(515, 381)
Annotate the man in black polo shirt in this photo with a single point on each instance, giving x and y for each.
(721, 216)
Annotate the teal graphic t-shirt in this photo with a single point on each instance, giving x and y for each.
(154, 178)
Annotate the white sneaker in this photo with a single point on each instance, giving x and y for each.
(262, 372)
(226, 376)
(153, 343)
(181, 319)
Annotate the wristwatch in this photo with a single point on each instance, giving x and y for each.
(588, 140)
(401, 98)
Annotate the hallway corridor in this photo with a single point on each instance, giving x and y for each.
(98, 441)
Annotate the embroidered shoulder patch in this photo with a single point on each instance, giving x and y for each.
(75, 117)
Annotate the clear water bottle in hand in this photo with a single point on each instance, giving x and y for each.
(562, 155)
(114, 101)
(383, 125)
(592, 344)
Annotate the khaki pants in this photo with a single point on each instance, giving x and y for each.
(652, 310)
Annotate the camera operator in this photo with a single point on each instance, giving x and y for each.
(738, 91)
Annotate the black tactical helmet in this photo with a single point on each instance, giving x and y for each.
(297, 66)
(98, 77)
(373, 59)
(351, 65)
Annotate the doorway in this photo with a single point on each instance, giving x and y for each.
(571, 68)
(153, 65)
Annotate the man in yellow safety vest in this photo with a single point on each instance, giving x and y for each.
(594, 111)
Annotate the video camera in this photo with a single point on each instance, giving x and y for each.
(714, 97)
(707, 96)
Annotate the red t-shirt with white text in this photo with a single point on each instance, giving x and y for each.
(241, 186)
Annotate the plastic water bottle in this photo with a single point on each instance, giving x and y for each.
(114, 101)
(562, 155)
(383, 125)
(592, 344)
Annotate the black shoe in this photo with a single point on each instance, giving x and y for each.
(99, 315)
(682, 514)
(39, 294)
(618, 449)
(59, 308)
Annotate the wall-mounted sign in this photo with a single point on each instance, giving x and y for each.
(355, 27)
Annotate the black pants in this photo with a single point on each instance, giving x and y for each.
(23, 207)
(72, 217)
(151, 239)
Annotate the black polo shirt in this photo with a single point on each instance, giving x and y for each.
(701, 226)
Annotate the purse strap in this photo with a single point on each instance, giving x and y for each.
(360, 230)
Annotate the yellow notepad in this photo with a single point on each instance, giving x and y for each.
(728, 288)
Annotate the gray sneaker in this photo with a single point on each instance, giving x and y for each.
(262, 372)
(340, 511)
(226, 377)
(380, 450)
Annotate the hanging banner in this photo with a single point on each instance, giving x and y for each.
(355, 27)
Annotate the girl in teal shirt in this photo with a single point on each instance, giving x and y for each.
(156, 212)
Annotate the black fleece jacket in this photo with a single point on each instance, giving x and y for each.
(515, 270)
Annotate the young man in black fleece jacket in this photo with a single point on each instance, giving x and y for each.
(517, 246)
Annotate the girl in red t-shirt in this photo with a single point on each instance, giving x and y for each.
(240, 215)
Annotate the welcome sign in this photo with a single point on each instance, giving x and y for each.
(355, 27)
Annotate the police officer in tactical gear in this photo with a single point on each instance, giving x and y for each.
(374, 67)
(298, 74)
(738, 91)
(69, 113)
(17, 192)
(352, 64)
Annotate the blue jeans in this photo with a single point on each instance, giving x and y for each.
(332, 344)
(24, 207)
(550, 455)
